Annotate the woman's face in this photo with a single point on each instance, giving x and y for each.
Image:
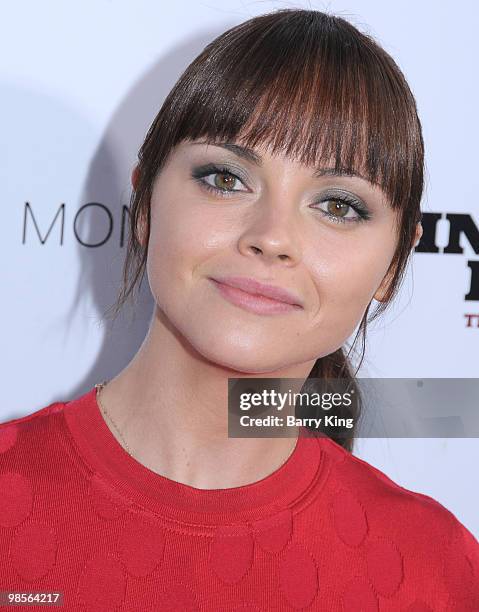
(215, 212)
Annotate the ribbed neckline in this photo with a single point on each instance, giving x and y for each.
(300, 475)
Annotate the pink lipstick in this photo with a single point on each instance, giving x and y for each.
(257, 297)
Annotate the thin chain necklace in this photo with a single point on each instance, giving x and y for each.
(99, 387)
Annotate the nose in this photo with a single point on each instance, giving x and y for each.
(270, 234)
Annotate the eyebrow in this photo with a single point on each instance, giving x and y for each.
(252, 156)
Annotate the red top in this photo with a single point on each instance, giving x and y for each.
(325, 531)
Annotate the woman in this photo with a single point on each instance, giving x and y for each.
(288, 154)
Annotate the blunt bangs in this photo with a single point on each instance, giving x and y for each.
(312, 87)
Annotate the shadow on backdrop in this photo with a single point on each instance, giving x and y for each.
(108, 183)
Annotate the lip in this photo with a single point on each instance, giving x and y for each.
(257, 296)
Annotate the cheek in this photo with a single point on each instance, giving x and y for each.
(355, 281)
(346, 278)
(182, 238)
(171, 240)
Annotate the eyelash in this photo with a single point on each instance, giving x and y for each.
(198, 174)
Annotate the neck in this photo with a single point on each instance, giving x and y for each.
(170, 406)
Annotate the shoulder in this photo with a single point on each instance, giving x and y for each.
(37, 419)
(404, 527)
(29, 435)
(374, 487)
(38, 467)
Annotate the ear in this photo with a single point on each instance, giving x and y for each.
(419, 232)
(135, 176)
(384, 286)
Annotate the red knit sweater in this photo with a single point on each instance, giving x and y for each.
(326, 531)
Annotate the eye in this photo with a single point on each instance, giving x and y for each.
(338, 209)
(225, 181)
(218, 179)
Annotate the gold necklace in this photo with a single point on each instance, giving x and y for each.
(99, 387)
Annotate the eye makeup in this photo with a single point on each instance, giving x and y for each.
(347, 199)
(334, 195)
(199, 172)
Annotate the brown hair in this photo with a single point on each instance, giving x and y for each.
(309, 85)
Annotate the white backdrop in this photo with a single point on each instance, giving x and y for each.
(80, 83)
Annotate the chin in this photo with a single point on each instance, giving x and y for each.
(246, 360)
